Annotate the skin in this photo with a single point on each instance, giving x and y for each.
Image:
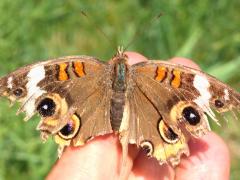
(101, 157)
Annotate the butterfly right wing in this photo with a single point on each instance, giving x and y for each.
(167, 105)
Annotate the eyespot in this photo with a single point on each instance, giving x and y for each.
(191, 115)
(46, 107)
(147, 147)
(218, 103)
(67, 129)
(167, 133)
(70, 130)
(18, 92)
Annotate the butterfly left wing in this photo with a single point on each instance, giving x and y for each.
(70, 94)
(166, 105)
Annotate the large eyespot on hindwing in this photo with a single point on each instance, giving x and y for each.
(69, 131)
(167, 133)
(147, 147)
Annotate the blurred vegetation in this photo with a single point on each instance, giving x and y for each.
(205, 31)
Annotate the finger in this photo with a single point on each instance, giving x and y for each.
(149, 168)
(134, 58)
(185, 62)
(209, 159)
(99, 158)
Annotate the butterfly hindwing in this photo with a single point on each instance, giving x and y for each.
(149, 130)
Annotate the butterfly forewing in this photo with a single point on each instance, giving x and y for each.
(193, 85)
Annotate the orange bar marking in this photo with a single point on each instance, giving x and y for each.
(176, 81)
(161, 73)
(63, 76)
(79, 68)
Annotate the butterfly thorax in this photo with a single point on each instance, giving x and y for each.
(119, 85)
(119, 78)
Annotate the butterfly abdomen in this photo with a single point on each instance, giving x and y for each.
(117, 106)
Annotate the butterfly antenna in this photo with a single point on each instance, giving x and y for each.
(144, 27)
(91, 22)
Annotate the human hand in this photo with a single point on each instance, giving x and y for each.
(101, 157)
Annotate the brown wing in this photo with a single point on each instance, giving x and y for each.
(147, 127)
(167, 104)
(205, 90)
(69, 94)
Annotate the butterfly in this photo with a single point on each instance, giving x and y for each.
(156, 105)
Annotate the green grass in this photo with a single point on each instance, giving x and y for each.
(205, 31)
